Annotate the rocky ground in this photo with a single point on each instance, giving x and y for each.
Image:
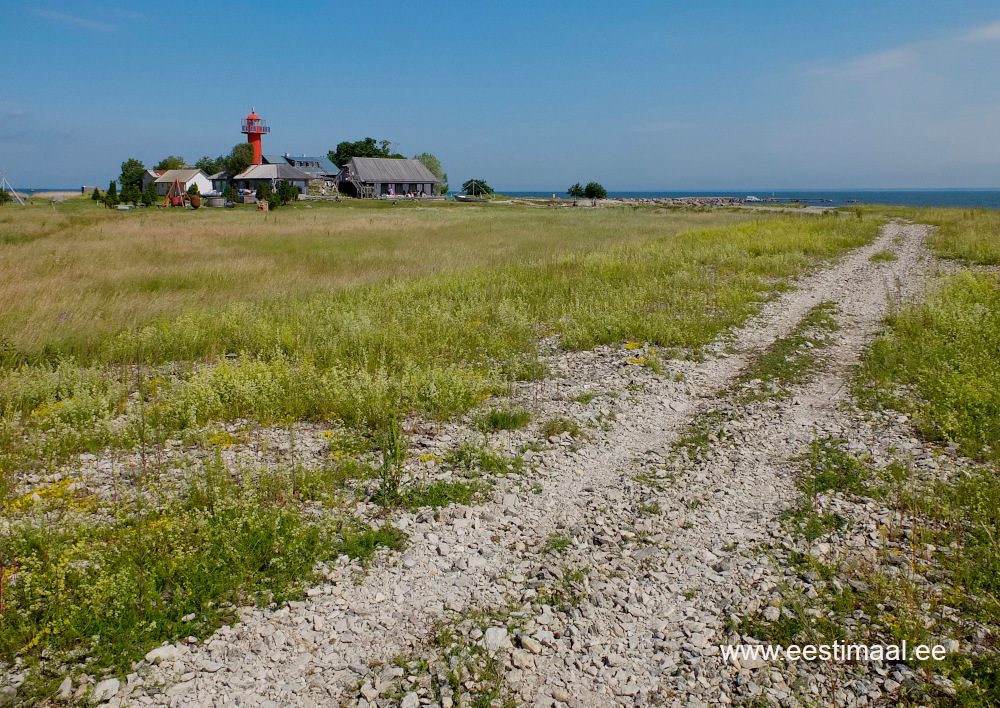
(611, 568)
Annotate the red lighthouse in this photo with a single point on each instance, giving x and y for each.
(254, 127)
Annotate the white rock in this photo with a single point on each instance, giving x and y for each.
(105, 690)
(65, 689)
(167, 652)
(496, 638)
(7, 694)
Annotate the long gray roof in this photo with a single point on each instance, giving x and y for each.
(384, 169)
(285, 171)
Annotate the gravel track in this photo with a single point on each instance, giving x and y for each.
(658, 585)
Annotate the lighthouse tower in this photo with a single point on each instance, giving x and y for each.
(254, 127)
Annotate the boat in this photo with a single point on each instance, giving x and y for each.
(466, 198)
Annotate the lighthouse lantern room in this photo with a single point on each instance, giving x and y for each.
(254, 127)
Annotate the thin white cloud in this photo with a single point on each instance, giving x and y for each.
(986, 33)
(73, 20)
(872, 64)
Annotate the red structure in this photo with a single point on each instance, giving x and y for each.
(254, 127)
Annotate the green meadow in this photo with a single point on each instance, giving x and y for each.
(122, 334)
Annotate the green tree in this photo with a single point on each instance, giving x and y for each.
(576, 191)
(171, 163)
(239, 159)
(5, 197)
(369, 147)
(111, 196)
(287, 192)
(434, 165)
(193, 189)
(132, 173)
(131, 194)
(263, 191)
(229, 194)
(595, 191)
(96, 195)
(149, 197)
(210, 166)
(476, 187)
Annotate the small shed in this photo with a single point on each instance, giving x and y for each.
(383, 176)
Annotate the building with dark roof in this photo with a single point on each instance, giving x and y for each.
(272, 174)
(318, 167)
(380, 176)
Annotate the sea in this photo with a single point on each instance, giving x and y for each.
(962, 198)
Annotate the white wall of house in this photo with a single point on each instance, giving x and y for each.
(201, 179)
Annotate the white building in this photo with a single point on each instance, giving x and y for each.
(164, 178)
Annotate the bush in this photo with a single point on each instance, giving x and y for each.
(111, 196)
(149, 196)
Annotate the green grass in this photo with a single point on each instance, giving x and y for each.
(113, 579)
(438, 494)
(883, 257)
(504, 418)
(556, 543)
(830, 468)
(946, 351)
(554, 427)
(474, 459)
(969, 235)
(791, 359)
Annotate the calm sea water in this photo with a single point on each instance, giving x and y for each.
(967, 198)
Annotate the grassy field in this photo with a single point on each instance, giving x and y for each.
(971, 235)
(86, 273)
(126, 332)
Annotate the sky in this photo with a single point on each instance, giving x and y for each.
(527, 95)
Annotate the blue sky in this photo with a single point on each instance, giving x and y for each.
(527, 95)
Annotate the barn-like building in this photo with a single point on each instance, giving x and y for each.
(374, 177)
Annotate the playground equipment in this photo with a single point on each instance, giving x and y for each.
(177, 197)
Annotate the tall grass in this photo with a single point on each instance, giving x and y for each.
(76, 275)
(947, 349)
(436, 344)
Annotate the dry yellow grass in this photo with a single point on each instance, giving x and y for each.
(73, 274)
